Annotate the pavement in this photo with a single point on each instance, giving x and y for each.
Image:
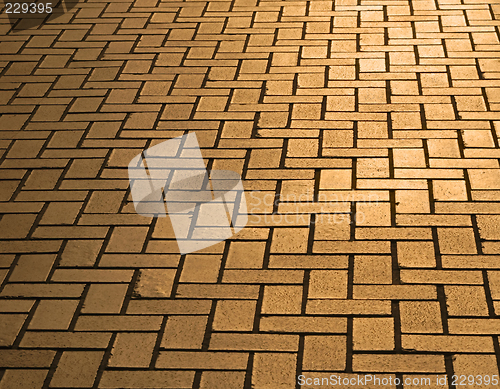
(366, 135)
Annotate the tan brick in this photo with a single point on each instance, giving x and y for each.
(324, 353)
(473, 364)
(105, 202)
(327, 284)
(152, 379)
(456, 241)
(105, 298)
(23, 378)
(372, 307)
(398, 292)
(385, 363)
(53, 314)
(201, 360)
(420, 317)
(416, 254)
(373, 333)
(372, 269)
(444, 343)
(234, 315)
(222, 380)
(294, 324)
(118, 323)
(33, 267)
(335, 179)
(373, 214)
(257, 342)
(412, 201)
(289, 240)
(274, 369)
(10, 325)
(16, 226)
(127, 239)
(282, 299)
(200, 268)
(466, 300)
(155, 283)
(133, 349)
(59, 339)
(488, 226)
(245, 255)
(77, 369)
(81, 253)
(185, 332)
(440, 277)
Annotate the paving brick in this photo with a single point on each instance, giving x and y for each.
(118, 323)
(10, 326)
(202, 360)
(80, 253)
(420, 317)
(456, 241)
(328, 284)
(222, 379)
(324, 353)
(150, 379)
(373, 334)
(133, 349)
(200, 268)
(466, 301)
(53, 339)
(53, 314)
(234, 315)
(372, 269)
(467, 364)
(257, 342)
(185, 332)
(245, 255)
(104, 298)
(443, 343)
(32, 268)
(396, 363)
(274, 369)
(23, 378)
(76, 369)
(26, 358)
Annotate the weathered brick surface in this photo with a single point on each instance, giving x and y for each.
(366, 134)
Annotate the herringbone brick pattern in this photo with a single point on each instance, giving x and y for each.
(366, 133)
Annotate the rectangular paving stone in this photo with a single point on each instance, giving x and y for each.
(151, 378)
(53, 314)
(381, 363)
(201, 360)
(255, 342)
(43, 290)
(184, 332)
(77, 369)
(169, 307)
(443, 343)
(118, 323)
(294, 324)
(59, 339)
(105, 298)
(26, 358)
(132, 350)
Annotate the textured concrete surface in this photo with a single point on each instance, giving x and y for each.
(371, 125)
